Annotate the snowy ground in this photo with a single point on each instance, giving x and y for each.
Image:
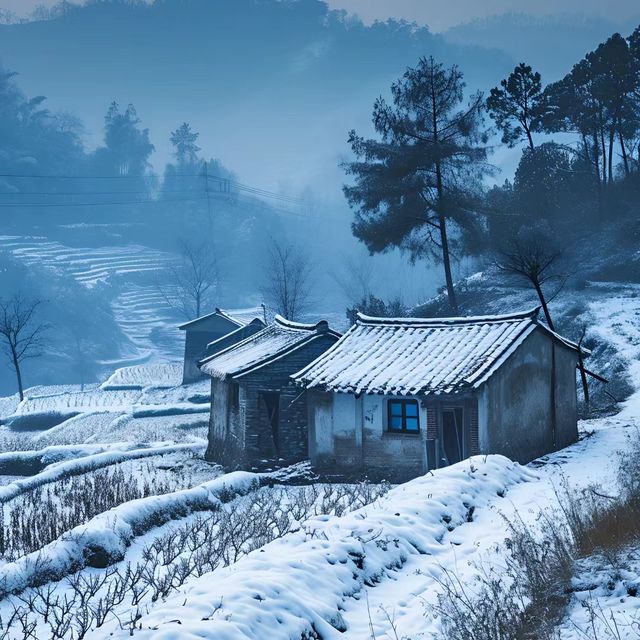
(140, 404)
(127, 272)
(366, 575)
(369, 577)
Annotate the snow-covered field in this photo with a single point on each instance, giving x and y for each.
(127, 272)
(139, 404)
(180, 551)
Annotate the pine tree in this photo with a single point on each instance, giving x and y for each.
(416, 186)
(515, 105)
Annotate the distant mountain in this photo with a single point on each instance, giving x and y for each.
(552, 44)
(273, 87)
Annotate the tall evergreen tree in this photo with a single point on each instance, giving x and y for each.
(515, 105)
(598, 99)
(183, 140)
(127, 146)
(424, 172)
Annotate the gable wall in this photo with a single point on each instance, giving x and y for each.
(517, 408)
(195, 347)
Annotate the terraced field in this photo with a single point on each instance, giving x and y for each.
(125, 275)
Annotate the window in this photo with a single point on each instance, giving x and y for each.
(403, 416)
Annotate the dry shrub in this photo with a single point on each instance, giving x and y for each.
(88, 600)
(34, 519)
(522, 600)
(526, 598)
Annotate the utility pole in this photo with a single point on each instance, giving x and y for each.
(206, 188)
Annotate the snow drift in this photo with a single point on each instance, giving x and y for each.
(104, 539)
(298, 584)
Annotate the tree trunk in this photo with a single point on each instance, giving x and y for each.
(16, 366)
(583, 373)
(529, 138)
(625, 159)
(543, 302)
(442, 222)
(446, 258)
(451, 294)
(611, 139)
(596, 165)
(604, 157)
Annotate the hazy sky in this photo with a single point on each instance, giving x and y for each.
(440, 15)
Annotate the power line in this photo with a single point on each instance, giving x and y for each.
(96, 204)
(238, 185)
(244, 198)
(88, 193)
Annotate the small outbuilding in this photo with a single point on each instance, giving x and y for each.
(398, 397)
(257, 412)
(199, 333)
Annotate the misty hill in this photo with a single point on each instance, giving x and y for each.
(273, 87)
(551, 44)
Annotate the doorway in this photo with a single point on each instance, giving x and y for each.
(452, 435)
(271, 400)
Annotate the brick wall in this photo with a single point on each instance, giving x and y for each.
(474, 437)
(292, 441)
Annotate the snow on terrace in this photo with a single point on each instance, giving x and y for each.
(303, 581)
(139, 309)
(145, 403)
(158, 375)
(89, 265)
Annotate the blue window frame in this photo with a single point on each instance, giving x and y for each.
(403, 416)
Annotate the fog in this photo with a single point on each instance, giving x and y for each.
(272, 90)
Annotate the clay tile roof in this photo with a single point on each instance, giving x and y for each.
(273, 342)
(409, 356)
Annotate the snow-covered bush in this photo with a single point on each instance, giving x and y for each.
(40, 516)
(87, 600)
(527, 595)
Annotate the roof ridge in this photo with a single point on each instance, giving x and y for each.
(521, 315)
(321, 325)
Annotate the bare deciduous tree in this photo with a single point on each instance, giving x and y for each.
(532, 255)
(287, 286)
(356, 277)
(21, 331)
(192, 280)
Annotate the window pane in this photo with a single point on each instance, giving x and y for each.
(396, 408)
(396, 422)
(412, 409)
(411, 424)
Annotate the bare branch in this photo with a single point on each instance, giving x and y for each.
(22, 335)
(189, 284)
(287, 286)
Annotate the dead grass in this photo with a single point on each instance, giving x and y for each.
(527, 597)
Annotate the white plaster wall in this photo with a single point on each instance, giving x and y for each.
(344, 414)
(373, 415)
(323, 428)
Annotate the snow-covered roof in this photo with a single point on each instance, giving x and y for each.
(235, 336)
(238, 317)
(251, 313)
(273, 342)
(409, 356)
